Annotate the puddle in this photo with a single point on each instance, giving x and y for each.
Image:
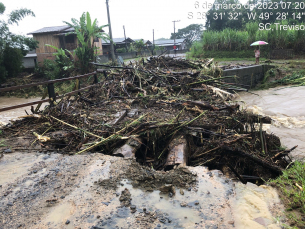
(15, 165)
(6, 116)
(60, 214)
(285, 106)
(206, 205)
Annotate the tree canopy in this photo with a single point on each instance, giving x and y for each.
(13, 47)
(190, 33)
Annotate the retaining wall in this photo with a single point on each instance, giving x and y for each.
(250, 75)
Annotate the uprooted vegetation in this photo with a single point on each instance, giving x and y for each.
(164, 112)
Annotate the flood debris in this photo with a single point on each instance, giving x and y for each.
(178, 152)
(164, 112)
(129, 149)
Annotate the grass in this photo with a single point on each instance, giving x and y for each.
(2, 143)
(295, 77)
(291, 187)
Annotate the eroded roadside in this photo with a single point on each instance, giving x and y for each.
(85, 191)
(286, 108)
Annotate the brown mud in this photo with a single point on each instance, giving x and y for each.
(85, 191)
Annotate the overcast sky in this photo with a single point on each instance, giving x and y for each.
(140, 17)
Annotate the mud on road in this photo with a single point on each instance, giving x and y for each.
(87, 191)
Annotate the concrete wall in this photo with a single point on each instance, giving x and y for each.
(251, 75)
(28, 62)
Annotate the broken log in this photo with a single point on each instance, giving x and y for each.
(178, 152)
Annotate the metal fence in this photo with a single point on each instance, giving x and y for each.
(50, 90)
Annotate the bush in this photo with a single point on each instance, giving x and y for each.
(50, 70)
(10, 63)
(121, 50)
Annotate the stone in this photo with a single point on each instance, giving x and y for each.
(183, 204)
(106, 203)
(8, 150)
(166, 188)
(181, 192)
(67, 222)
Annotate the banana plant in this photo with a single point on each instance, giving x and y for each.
(63, 60)
(86, 31)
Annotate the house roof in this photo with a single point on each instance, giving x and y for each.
(117, 41)
(169, 42)
(55, 29)
(144, 41)
(30, 55)
(62, 28)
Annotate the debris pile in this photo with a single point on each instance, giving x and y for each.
(164, 112)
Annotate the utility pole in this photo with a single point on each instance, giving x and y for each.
(125, 39)
(110, 34)
(153, 48)
(175, 34)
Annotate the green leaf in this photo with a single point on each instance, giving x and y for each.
(17, 15)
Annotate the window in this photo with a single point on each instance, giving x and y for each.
(69, 38)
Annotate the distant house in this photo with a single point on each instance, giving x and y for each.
(56, 36)
(146, 42)
(121, 43)
(118, 43)
(169, 44)
(30, 60)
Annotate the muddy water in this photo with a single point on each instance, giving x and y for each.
(6, 116)
(285, 105)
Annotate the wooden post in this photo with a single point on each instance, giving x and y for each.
(77, 85)
(43, 97)
(105, 74)
(51, 93)
(95, 79)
